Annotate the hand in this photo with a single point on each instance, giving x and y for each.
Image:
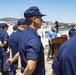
(1, 45)
(49, 39)
(18, 72)
(9, 61)
(7, 51)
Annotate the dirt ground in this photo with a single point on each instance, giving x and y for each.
(48, 66)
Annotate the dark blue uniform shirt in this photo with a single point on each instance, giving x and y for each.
(1, 39)
(72, 32)
(13, 41)
(6, 38)
(4, 55)
(31, 48)
(1, 36)
(65, 63)
(10, 42)
(13, 44)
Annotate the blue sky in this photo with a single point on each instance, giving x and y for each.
(60, 10)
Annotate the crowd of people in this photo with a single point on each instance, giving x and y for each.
(22, 53)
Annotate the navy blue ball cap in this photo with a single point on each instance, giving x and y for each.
(21, 21)
(4, 25)
(15, 26)
(72, 24)
(33, 11)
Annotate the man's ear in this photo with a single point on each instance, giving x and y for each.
(34, 19)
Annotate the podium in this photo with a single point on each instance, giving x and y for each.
(57, 42)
